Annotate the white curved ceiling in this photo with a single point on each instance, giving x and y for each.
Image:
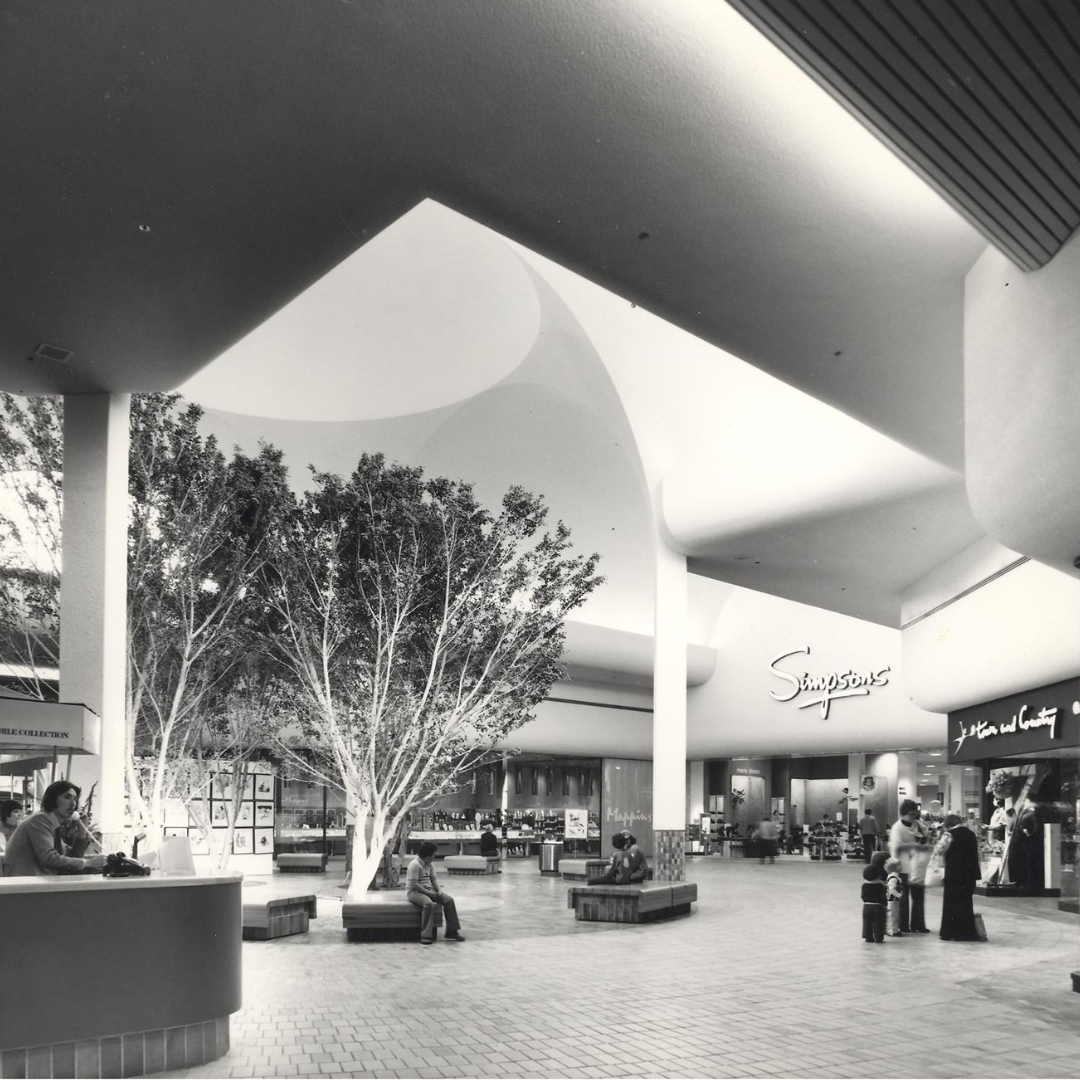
(430, 312)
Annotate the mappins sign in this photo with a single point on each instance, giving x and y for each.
(1025, 723)
(822, 689)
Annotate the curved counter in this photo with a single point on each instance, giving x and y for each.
(117, 977)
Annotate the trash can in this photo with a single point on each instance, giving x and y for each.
(550, 853)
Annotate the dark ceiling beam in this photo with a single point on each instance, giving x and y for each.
(981, 97)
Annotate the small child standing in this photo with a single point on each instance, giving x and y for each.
(894, 889)
(874, 898)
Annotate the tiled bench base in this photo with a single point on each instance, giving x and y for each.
(384, 916)
(266, 919)
(295, 862)
(631, 903)
(581, 869)
(471, 864)
(139, 1054)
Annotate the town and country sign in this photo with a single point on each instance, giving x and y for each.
(832, 685)
(1024, 723)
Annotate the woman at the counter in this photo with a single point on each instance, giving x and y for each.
(52, 841)
(10, 816)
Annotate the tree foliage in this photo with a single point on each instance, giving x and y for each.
(31, 479)
(419, 630)
(200, 527)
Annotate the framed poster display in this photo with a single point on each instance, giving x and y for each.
(576, 825)
(199, 846)
(264, 841)
(176, 813)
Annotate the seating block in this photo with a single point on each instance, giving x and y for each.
(581, 869)
(281, 916)
(383, 916)
(631, 903)
(470, 864)
(301, 862)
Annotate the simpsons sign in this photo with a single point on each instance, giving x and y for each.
(822, 689)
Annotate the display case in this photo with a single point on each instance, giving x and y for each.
(311, 817)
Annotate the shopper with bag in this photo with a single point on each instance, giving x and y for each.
(962, 872)
(909, 841)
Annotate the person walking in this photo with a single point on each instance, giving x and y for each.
(868, 830)
(962, 872)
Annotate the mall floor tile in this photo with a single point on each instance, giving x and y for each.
(769, 977)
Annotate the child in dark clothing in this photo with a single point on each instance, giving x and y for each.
(875, 899)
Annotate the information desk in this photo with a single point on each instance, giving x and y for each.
(118, 977)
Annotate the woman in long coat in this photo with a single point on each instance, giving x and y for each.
(962, 872)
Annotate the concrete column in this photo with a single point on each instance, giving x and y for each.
(855, 805)
(93, 592)
(669, 716)
(907, 776)
(695, 798)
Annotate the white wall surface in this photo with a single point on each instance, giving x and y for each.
(1019, 631)
(734, 713)
(589, 722)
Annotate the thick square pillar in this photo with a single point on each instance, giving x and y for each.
(93, 587)
(669, 717)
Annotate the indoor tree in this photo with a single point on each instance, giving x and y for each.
(419, 631)
(31, 454)
(198, 530)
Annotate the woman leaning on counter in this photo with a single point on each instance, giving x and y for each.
(52, 841)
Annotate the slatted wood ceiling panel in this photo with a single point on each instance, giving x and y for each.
(982, 97)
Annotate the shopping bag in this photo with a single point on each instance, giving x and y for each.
(980, 929)
(935, 875)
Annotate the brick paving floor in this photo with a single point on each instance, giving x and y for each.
(769, 977)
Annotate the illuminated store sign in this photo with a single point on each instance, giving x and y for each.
(836, 684)
(982, 730)
(1025, 723)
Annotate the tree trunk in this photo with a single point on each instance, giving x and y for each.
(365, 862)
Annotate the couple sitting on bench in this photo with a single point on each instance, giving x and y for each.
(627, 863)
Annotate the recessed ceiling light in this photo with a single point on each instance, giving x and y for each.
(57, 353)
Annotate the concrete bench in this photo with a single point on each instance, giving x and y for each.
(470, 864)
(631, 903)
(590, 869)
(302, 862)
(582, 869)
(383, 916)
(266, 918)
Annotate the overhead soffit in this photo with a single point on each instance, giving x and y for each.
(982, 97)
